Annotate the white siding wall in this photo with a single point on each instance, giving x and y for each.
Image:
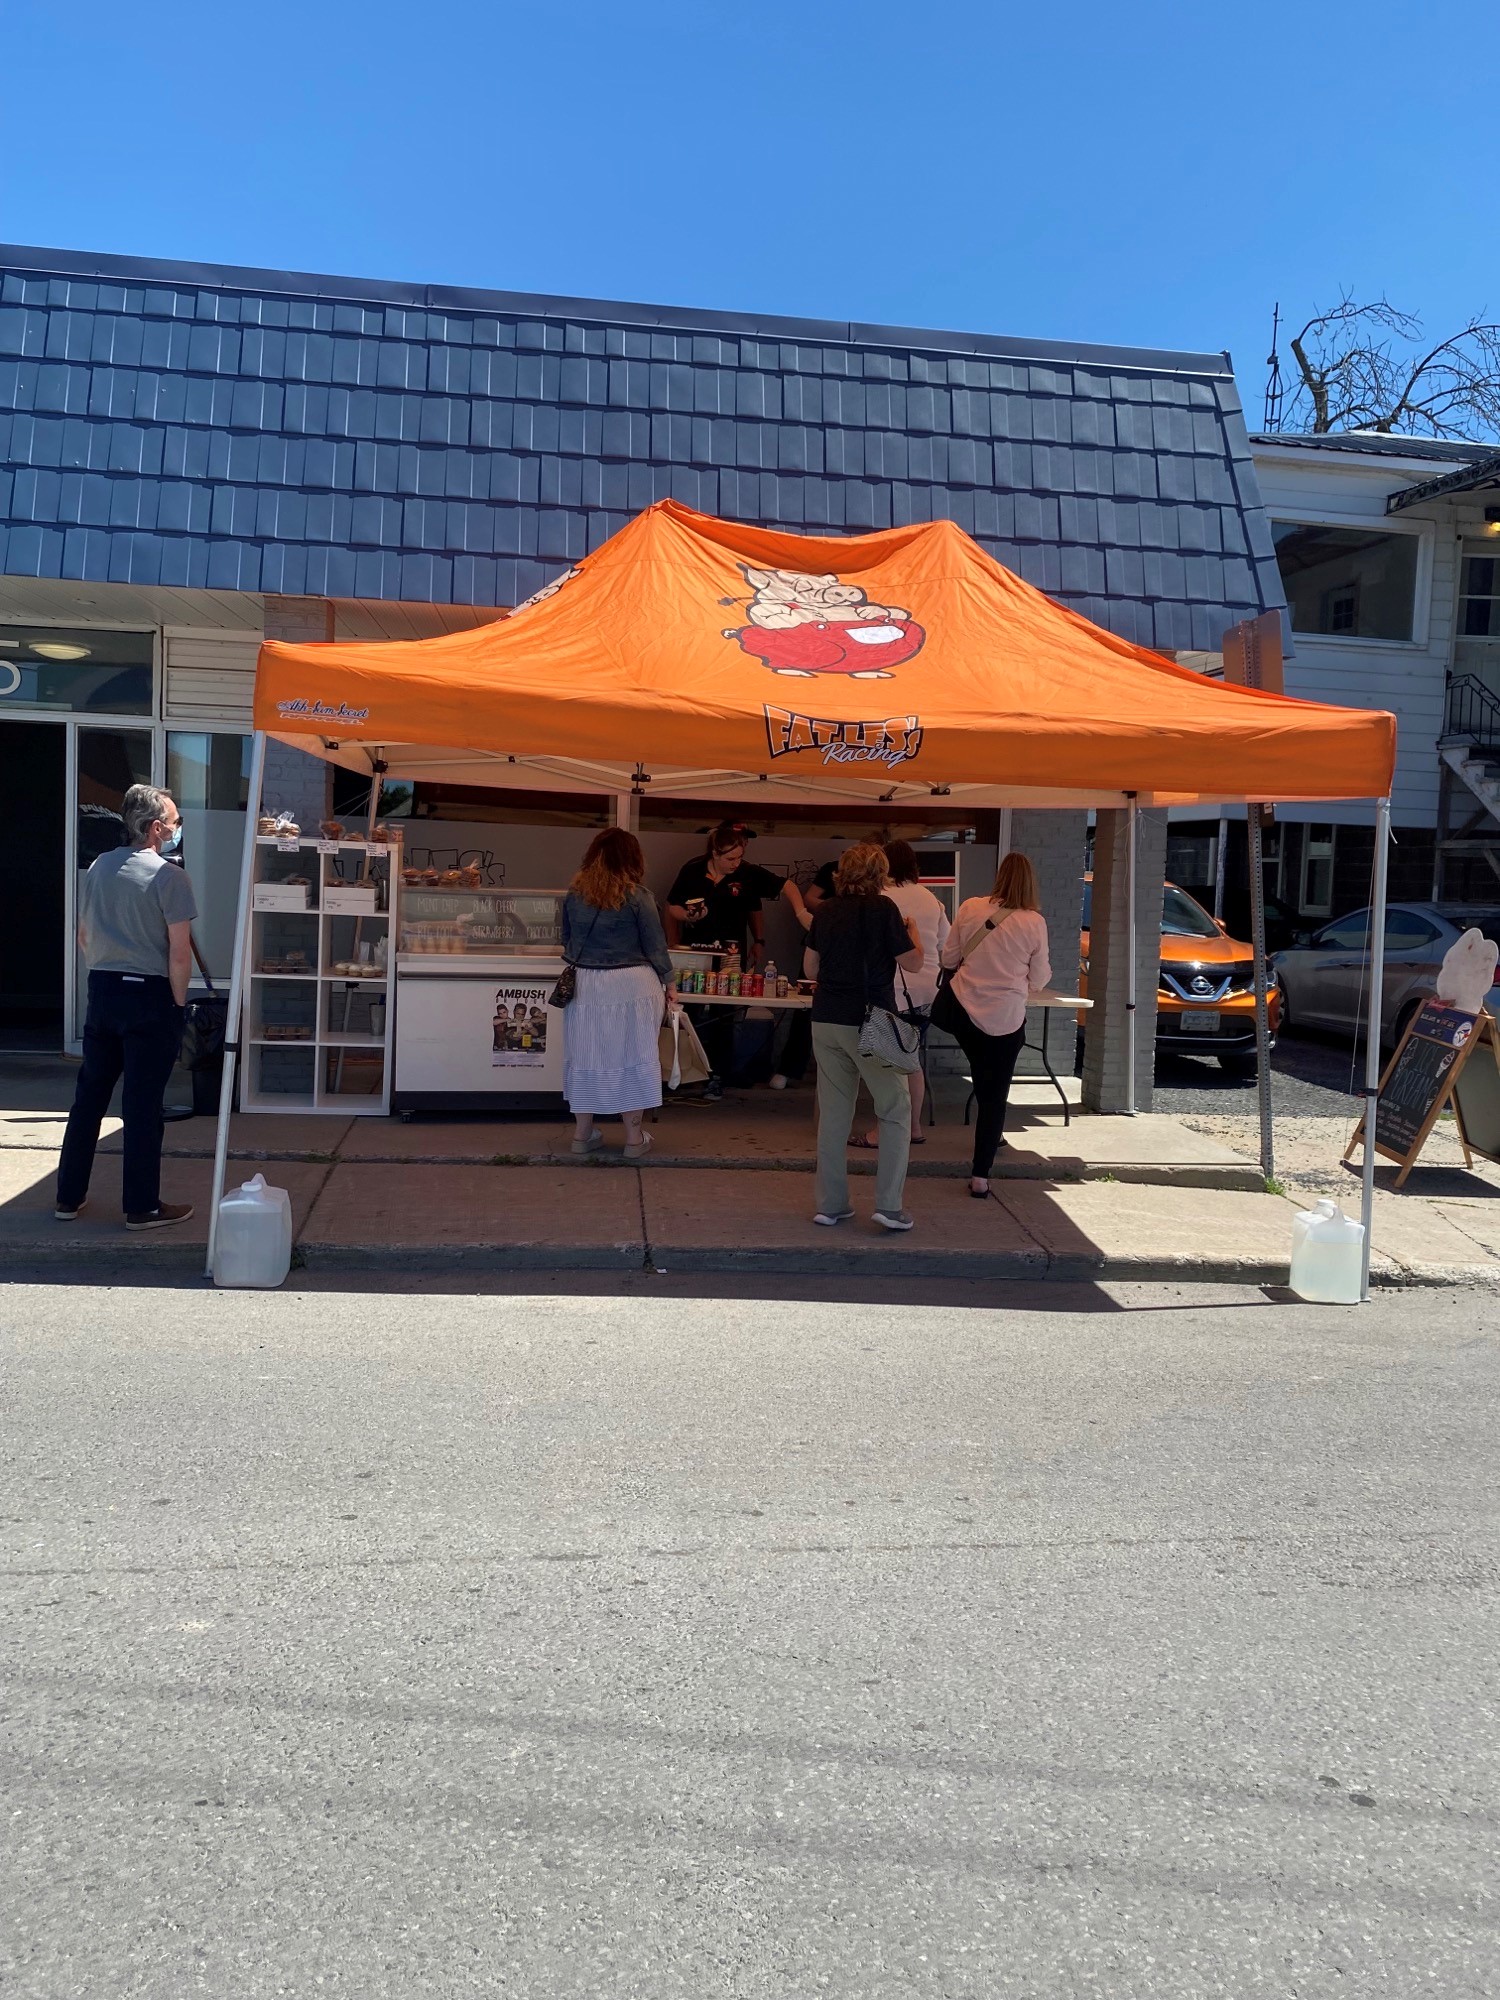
(210, 676)
(1407, 679)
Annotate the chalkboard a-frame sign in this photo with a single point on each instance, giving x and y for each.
(1425, 1071)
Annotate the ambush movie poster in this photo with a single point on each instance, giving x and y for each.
(520, 1027)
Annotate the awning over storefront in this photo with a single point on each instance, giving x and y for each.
(706, 657)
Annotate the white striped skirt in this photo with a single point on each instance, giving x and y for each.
(611, 1061)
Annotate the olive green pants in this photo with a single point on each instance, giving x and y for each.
(841, 1068)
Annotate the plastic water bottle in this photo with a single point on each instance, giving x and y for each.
(254, 1247)
(1327, 1251)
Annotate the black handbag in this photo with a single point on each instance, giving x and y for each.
(565, 991)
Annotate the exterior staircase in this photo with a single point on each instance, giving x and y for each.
(1469, 792)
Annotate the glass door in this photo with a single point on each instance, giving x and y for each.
(104, 762)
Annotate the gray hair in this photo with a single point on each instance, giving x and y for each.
(143, 806)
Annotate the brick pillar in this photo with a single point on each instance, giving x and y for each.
(1055, 842)
(296, 782)
(1106, 1033)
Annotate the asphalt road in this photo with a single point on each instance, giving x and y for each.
(629, 1642)
(1311, 1077)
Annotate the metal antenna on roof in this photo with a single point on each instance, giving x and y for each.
(1275, 388)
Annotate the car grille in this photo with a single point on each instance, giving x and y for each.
(1211, 984)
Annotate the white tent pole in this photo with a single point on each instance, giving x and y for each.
(236, 990)
(1131, 824)
(1255, 848)
(1372, 1031)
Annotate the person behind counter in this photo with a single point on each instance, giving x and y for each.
(853, 949)
(716, 900)
(135, 920)
(997, 952)
(716, 897)
(613, 935)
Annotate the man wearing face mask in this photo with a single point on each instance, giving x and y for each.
(135, 916)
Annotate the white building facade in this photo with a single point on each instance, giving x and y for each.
(1389, 553)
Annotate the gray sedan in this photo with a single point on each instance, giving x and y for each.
(1325, 981)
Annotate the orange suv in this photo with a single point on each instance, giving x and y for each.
(1205, 992)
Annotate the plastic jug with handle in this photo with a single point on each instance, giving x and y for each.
(1327, 1254)
(254, 1245)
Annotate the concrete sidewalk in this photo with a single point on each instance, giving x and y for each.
(730, 1188)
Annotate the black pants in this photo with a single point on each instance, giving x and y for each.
(992, 1064)
(134, 1030)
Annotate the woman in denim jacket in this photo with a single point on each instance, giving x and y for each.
(613, 935)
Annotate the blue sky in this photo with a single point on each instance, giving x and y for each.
(1152, 175)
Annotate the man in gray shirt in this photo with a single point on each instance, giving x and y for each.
(135, 916)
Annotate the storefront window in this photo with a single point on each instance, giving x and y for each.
(84, 672)
(209, 777)
(1349, 583)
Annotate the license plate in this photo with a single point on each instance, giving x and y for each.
(1204, 1021)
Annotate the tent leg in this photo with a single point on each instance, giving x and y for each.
(1372, 1032)
(236, 992)
(1132, 823)
(1221, 845)
(1262, 1005)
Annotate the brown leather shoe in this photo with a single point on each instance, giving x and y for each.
(162, 1216)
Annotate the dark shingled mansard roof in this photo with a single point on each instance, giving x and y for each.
(203, 426)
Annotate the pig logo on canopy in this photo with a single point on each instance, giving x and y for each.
(803, 626)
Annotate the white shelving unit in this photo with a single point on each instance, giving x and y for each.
(339, 1059)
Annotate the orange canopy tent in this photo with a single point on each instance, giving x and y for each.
(714, 658)
(721, 658)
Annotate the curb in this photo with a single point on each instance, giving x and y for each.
(182, 1264)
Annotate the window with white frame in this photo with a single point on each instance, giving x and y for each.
(1316, 899)
(1348, 583)
(1479, 592)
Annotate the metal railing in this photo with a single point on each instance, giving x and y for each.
(1473, 710)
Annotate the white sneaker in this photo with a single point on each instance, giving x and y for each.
(778, 1082)
(832, 1217)
(893, 1218)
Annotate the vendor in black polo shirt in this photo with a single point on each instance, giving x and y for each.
(716, 900)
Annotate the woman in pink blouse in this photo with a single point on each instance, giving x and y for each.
(997, 952)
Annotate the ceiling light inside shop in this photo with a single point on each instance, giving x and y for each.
(54, 650)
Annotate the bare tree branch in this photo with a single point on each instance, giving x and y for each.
(1360, 367)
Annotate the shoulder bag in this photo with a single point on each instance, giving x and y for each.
(886, 1036)
(947, 1010)
(566, 990)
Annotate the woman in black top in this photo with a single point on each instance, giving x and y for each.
(716, 900)
(716, 897)
(853, 949)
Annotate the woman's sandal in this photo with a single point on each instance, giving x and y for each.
(981, 1194)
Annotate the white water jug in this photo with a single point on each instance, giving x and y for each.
(1327, 1252)
(254, 1246)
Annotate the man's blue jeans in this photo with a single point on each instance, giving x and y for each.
(134, 1030)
